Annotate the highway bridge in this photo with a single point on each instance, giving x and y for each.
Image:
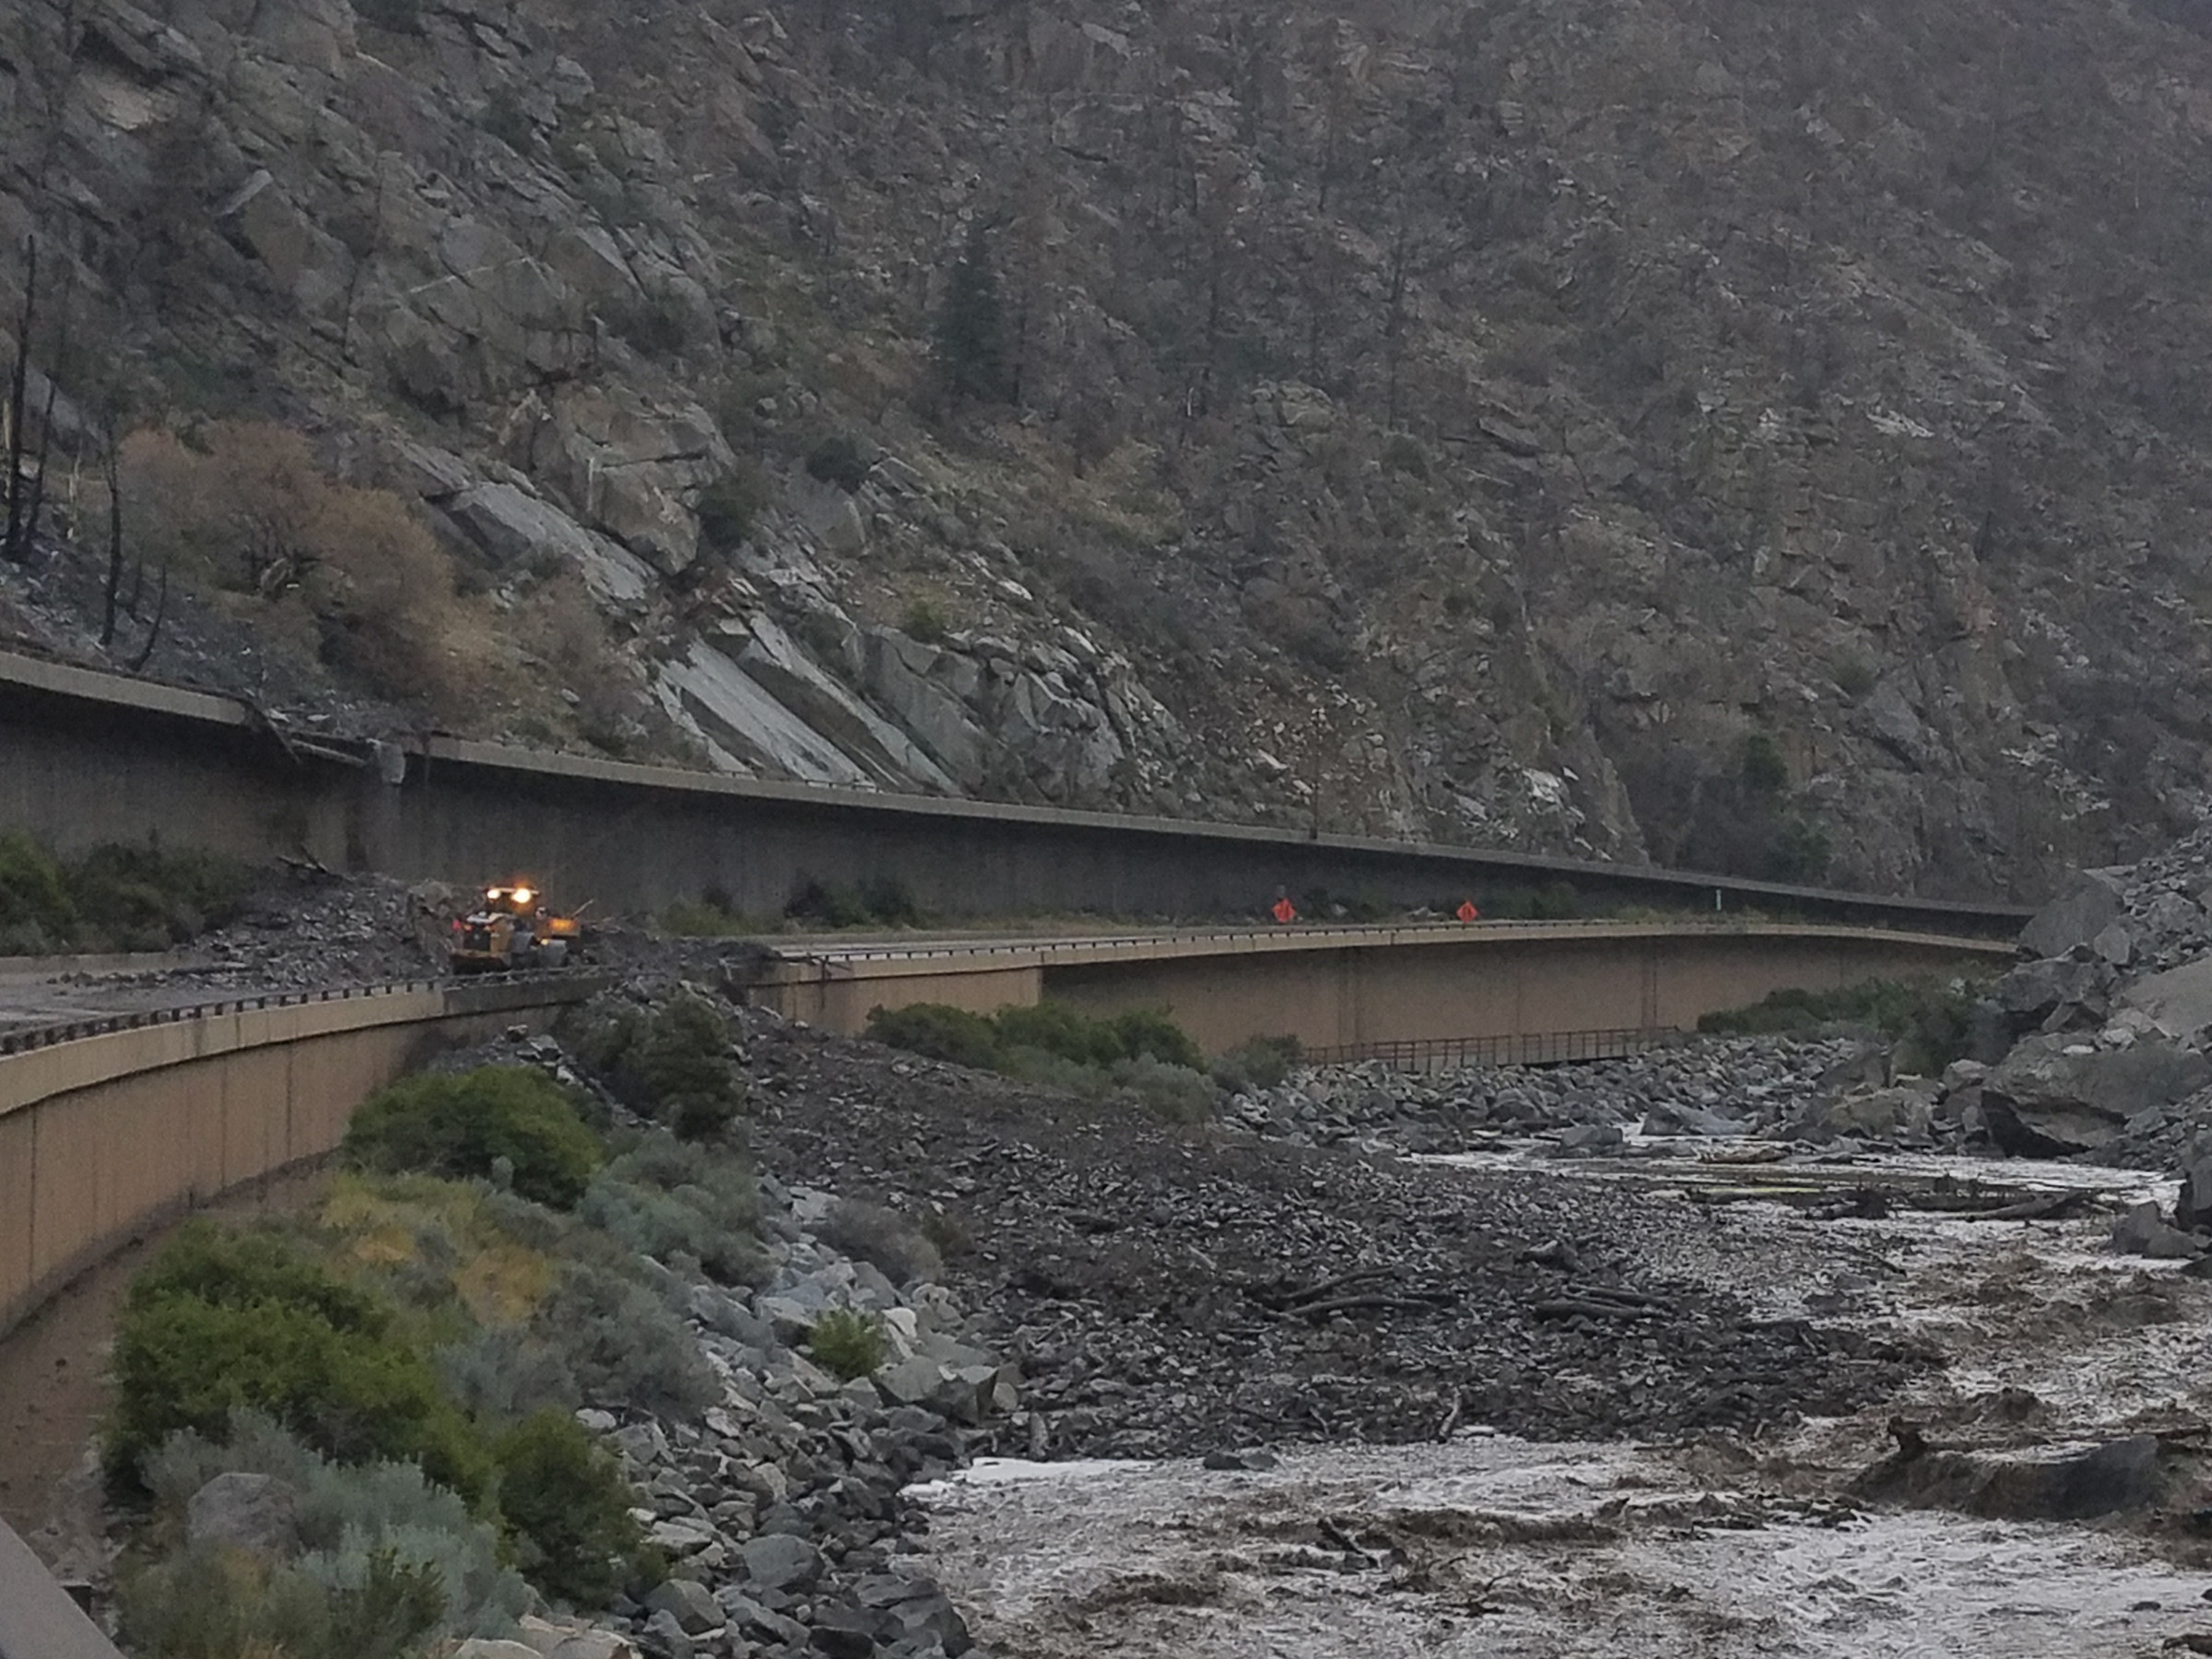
(110, 1123)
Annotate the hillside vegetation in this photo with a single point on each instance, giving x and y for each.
(1758, 436)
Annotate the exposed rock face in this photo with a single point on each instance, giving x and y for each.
(1503, 495)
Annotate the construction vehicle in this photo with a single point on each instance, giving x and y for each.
(513, 928)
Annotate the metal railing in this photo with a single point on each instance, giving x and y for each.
(821, 949)
(101, 1025)
(1528, 1048)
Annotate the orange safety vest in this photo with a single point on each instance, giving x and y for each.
(1466, 910)
(1285, 910)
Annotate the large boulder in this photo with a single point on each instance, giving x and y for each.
(2034, 991)
(2088, 903)
(2052, 1097)
(2179, 1002)
(1904, 1113)
(255, 1513)
(2144, 1231)
(2193, 1209)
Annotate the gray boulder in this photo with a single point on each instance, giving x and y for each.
(688, 1602)
(1591, 1140)
(2034, 991)
(2143, 1231)
(2089, 903)
(2193, 1209)
(1670, 1117)
(1903, 1112)
(778, 1561)
(2051, 1097)
(256, 1512)
(2178, 1002)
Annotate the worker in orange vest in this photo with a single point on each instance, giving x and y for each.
(1284, 910)
(1466, 910)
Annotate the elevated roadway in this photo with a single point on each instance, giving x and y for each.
(87, 757)
(1352, 991)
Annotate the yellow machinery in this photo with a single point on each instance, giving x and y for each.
(513, 928)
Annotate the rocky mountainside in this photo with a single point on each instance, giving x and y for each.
(1752, 436)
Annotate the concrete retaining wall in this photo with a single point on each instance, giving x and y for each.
(103, 1136)
(87, 757)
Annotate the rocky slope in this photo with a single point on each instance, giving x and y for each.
(1742, 435)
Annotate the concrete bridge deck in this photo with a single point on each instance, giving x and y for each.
(1348, 990)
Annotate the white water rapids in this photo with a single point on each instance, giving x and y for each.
(1715, 1549)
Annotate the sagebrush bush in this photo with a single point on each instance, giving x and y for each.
(625, 1345)
(937, 1032)
(1011, 1039)
(883, 1238)
(1263, 1062)
(847, 1343)
(568, 1508)
(1176, 1094)
(196, 1344)
(343, 1511)
(667, 1196)
(212, 1601)
(462, 1125)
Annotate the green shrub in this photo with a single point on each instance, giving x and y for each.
(194, 1346)
(842, 459)
(871, 1233)
(683, 1068)
(937, 1032)
(32, 892)
(925, 620)
(1038, 1042)
(343, 1514)
(1047, 1070)
(1263, 1062)
(1556, 902)
(138, 898)
(847, 1343)
(729, 507)
(888, 900)
(215, 1602)
(624, 1345)
(1760, 765)
(881, 901)
(1404, 453)
(666, 1197)
(1056, 1029)
(1175, 1094)
(568, 1507)
(1926, 1020)
(229, 1269)
(1145, 1032)
(460, 1124)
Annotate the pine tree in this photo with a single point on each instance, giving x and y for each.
(972, 328)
